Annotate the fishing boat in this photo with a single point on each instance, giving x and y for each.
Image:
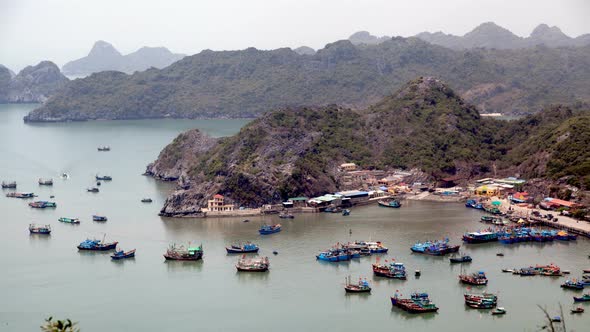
(480, 237)
(583, 298)
(481, 301)
(436, 248)
(180, 253)
(242, 248)
(346, 212)
(99, 218)
(392, 203)
(46, 182)
(393, 270)
(92, 190)
(477, 279)
(103, 178)
(526, 272)
(286, 216)
(269, 229)
(97, 245)
(461, 259)
(373, 247)
(499, 311)
(38, 229)
(69, 220)
(42, 204)
(508, 270)
(253, 264)
(104, 148)
(146, 200)
(8, 184)
(577, 310)
(123, 254)
(417, 303)
(573, 284)
(335, 255)
(471, 203)
(586, 271)
(361, 287)
(20, 195)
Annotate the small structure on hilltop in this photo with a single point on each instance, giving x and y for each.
(217, 204)
(348, 167)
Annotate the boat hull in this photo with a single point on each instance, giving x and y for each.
(356, 289)
(105, 247)
(242, 269)
(240, 251)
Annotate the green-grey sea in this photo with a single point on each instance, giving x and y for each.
(44, 276)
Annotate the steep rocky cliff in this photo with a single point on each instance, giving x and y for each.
(33, 84)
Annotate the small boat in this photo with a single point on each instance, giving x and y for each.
(9, 185)
(417, 273)
(103, 178)
(394, 270)
(275, 252)
(498, 311)
(418, 303)
(180, 253)
(97, 245)
(99, 218)
(46, 182)
(477, 279)
(345, 212)
(269, 229)
(508, 270)
(104, 148)
(92, 190)
(361, 287)
(583, 298)
(586, 271)
(501, 254)
(52, 196)
(42, 204)
(392, 203)
(566, 271)
(573, 284)
(123, 254)
(286, 216)
(69, 220)
(36, 229)
(577, 310)
(146, 200)
(253, 265)
(246, 220)
(242, 248)
(20, 195)
(98, 183)
(481, 301)
(556, 319)
(462, 259)
(480, 237)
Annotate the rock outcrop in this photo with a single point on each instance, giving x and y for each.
(33, 84)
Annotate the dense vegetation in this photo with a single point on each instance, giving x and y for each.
(250, 82)
(424, 125)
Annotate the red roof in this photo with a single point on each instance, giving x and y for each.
(218, 196)
(561, 202)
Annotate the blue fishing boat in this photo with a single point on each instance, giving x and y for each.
(123, 254)
(345, 212)
(36, 229)
(69, 220)
(393, 270)
(269, 229)
(480, 237)
(573, 284)
(436, 248)
(242, 248)
(42, 204)
(104, 178)
(334, 256)
(470, 203)
(99, 218)
(583, 298)
(97, 245)
(462, 259)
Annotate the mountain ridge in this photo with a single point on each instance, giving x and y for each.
(33, 84)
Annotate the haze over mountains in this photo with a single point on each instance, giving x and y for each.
(487, 35)
(33, 84)
(103, 56)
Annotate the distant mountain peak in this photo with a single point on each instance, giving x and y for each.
(102, 48)
(304, 50)
(364, 37)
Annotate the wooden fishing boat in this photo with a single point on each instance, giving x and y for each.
(180, 253)
(146, 200)
(242, 248)
(46, 182)
(37, 229)
(9, 185)
(361, 287)
(69, 220)
(586, 271)
(97, 245)
(573, 284)
(253, 264)
(286, 216)
(42, 204)
(481, 301)
(462, 259)
(20, 195)
(418, 303)
(393, 270)
(583, 298)
(392, 203)
(99, 218)
(476, 279)
(104, 148)
(577, 310)
(269, 229)
(123, 254)
(92, 190)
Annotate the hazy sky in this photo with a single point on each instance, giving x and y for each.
(63, 30)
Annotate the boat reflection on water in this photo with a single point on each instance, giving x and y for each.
(183, 266)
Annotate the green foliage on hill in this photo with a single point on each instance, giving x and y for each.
(250, 82)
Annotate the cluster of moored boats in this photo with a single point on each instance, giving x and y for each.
(511, 235)
(342, 252)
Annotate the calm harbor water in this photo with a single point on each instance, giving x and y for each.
(44, 276)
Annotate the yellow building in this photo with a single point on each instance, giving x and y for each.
(488, 190)
(217, 204)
